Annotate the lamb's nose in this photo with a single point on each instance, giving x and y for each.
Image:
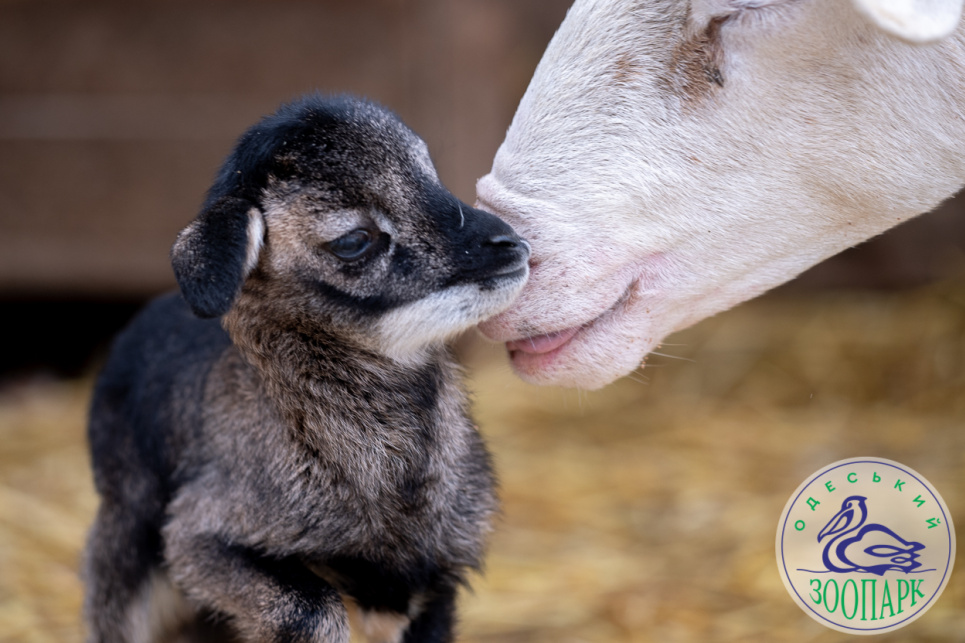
(504, 241)
(509, 242)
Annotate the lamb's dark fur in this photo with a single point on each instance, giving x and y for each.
(311, 449)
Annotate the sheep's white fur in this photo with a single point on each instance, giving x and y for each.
(649, 209)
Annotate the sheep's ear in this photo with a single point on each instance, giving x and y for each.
(918, 21)
(214, 254)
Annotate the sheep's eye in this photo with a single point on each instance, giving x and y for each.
(351, 246)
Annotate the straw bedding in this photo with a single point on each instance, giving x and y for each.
(643, 512)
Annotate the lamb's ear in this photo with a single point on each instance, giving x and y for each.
(918, 21)
(214, 254)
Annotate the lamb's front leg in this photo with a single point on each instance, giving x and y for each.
(435, 623)
(267, 599)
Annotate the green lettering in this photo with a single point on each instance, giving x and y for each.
(816, 590)
(916, 589)
(903, 595)
(898, 484)
(837, 594)
(919, 500)
(813, 503)
(864, 598)
(855, 477)
(829, 486)
(886, 601)
(854, 588)
(875, 477)
(799, 525)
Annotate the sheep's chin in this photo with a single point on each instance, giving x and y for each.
(589, 356)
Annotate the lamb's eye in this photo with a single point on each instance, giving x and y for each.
(351, 246)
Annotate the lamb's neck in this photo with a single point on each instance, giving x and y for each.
(328, 387)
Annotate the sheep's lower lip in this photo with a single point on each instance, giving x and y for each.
(542, 344)
(538, 353)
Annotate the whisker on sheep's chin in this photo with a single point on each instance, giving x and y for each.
(638, 377)
(684, 359)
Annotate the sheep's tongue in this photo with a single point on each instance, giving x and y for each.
(542, 343)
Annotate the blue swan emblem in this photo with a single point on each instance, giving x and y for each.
(858, 547)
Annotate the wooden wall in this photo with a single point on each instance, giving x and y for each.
(114, 116)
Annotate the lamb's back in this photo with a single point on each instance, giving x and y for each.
(148, 399)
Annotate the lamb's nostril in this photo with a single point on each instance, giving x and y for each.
(504, 241)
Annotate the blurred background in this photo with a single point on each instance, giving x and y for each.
(114, 117)
(642, 512)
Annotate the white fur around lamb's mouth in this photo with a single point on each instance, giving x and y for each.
(405, 332)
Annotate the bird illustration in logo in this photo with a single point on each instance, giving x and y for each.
(854, 546)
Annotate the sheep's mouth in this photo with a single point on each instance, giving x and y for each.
(546, 347)
(542, 344)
